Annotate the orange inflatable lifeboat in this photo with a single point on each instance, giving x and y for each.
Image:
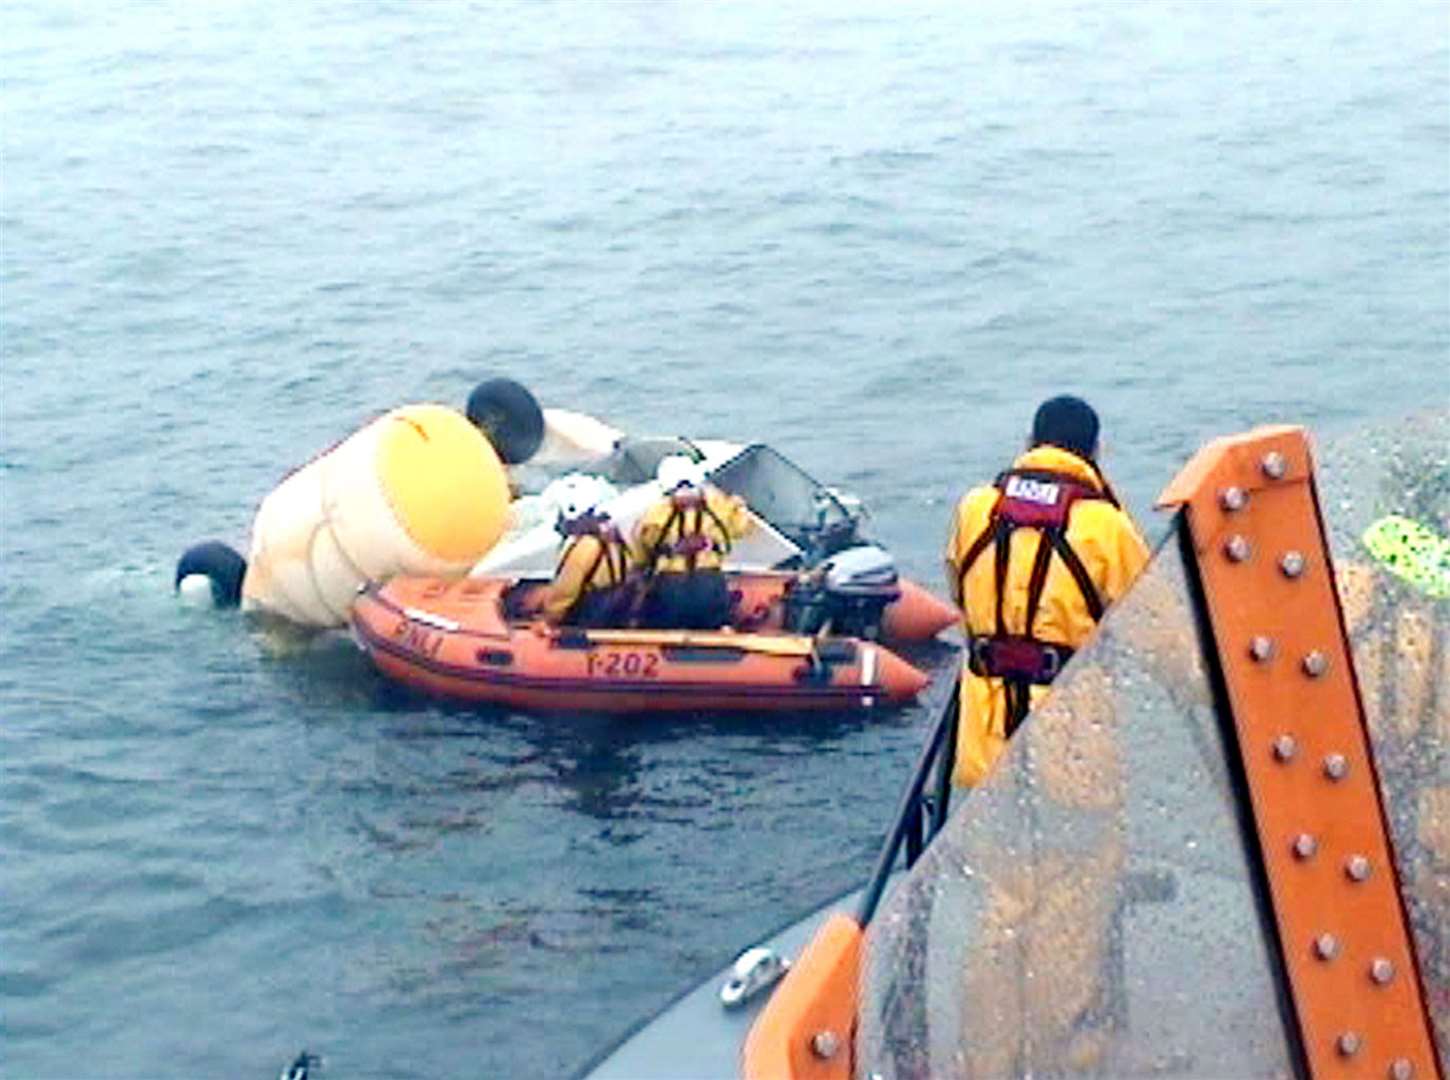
(456, 639)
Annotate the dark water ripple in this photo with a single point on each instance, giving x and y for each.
(228, 236)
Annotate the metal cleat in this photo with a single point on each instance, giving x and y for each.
(755, 970)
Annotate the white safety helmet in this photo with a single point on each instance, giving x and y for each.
(576, 494)
(678, 470)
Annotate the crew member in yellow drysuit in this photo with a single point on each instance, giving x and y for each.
(592, 584)
(1033, 561)
(681, 543)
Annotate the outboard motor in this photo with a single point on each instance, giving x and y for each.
(846, 594)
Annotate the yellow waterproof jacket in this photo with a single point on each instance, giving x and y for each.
(589, 561)
(690, 530)
(1106, 542)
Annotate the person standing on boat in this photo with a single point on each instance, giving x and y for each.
(681, 543)
(592, 586)
(1033, 561)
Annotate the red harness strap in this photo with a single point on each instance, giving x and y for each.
(613, 554)
(692, 539)
(1042, 501)
(1023, 659)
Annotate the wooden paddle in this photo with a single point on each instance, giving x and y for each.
(767, 644)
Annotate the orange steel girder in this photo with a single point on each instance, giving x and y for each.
(1263, 558)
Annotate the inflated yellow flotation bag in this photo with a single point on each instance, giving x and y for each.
(417, 491)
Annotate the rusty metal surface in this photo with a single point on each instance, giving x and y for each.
(1306, 754)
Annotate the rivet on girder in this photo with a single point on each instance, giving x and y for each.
(1291, 565)
(1237, 549)
(1326, 946)
(1315, 664)
(1285, 748)
(1401, 1069)
(1357, 868)
(1305, 846)
(1261, 648)
(1233, 498)
(1274, 465)
(1382, 970)
(1336, 767)
(1349, 1044)
(824, 1044)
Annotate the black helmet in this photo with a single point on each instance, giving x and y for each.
(1068, 422)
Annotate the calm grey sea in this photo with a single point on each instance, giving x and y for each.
(874, 235)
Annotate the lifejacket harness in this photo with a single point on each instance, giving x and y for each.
(612, 554)
(1029, 499)
(691, 539)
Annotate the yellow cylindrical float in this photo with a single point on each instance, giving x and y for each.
(417, 491)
